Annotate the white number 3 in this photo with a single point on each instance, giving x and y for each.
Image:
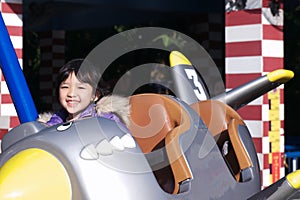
(199, 92)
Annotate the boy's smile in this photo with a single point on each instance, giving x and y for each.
(75, 96)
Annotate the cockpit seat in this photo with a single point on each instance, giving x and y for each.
(157, 121)
(223, 122)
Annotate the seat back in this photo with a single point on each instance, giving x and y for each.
(160, 120)
(150, 120)
(222, 121)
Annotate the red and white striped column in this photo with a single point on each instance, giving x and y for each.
(12, 15)
(254, 47)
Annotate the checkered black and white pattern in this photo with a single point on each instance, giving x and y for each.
(53, 57)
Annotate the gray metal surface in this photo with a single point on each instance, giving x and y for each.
(125, 173)
(189, 85)
(296, 196)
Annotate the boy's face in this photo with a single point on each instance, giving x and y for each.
(75, 96)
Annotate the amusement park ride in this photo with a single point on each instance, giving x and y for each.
(200, 150)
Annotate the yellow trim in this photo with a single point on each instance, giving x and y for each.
(177, 58)
(281, 75)
(294, 179)
(34, 174)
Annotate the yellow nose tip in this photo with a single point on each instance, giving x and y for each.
(294, 179)
(177, 58)
(34, 174)
(280, 75)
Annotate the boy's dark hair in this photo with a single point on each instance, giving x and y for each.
(85, 72)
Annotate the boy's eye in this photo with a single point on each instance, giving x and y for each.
(81, 88)
(64, 87)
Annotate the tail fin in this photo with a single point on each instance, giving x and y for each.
(189, 85)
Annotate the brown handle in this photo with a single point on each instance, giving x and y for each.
(241, 154)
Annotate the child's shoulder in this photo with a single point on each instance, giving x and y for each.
(44, 117)
(52, 118)
(115, 104)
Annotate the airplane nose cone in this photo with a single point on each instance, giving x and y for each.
(280, 75)
(177, 58)
(34, 174)
(294, 179)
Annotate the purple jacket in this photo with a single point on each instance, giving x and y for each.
(90, 111)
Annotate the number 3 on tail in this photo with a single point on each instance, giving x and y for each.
(199, 91)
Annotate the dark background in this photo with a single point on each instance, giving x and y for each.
(89, 22)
